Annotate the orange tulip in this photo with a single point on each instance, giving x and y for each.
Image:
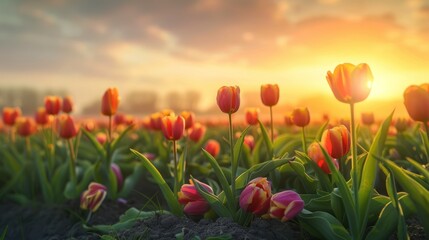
(368, 118)
(300, 117)
(336, 141)
(26, 126)
(67, 104)
(213, 147)
(252, 116)
(110, 102)
(416, 101)
(350, 83)
(173, 127)
(189, 118)
(314, 151)
(270, 94)
(52, 105)
(10, 115)
(228, 99)
(197, 132)
(42, 117)
(156, 121)
(67, 127)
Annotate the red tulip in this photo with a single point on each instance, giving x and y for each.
(270, 94)
(92, 198)
(249, 141)
(26, 126)
(156, 121)
(101, 138)
(173, 127)
(67, 104)
(336, 141)
(52, 105)
(255, 197)
(197, 132)
(42, 117)
(213, 147)
(315, 153)
(194, 203)
(10, 115)
(368, 118)
(285, 205)
(110, 102)
(67, 127)
(189, 118)
(252, 116)
(416, 101)
(300, 117)
(228, 99)
(350, 83)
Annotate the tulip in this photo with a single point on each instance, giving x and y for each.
(67, 104)
(368, 118)
(67, 127)
(26, 126)
(336, 141)
(228, 99)
(197, 132)
(173, 127)
(189, 118)
(300, 117)
(52, 105)
(145, 122)
(213, 147)
(350, 83)
(315, 153)
(285, 205)
(252, 116)
(416, 101)
(89, 125)
(255, 197)
(10, 115)
(118, 174)
(119, 119)
(194, 203)
(402, 124)
(101, 138)
(110, 102)
(156, 121)
(249, 141)
(270, 94)
(42, 117)
(92, 198)
(288, 120)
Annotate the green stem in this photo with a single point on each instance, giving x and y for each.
(72, 161)
(272, 124)
(354, 175)
(88, 217)
(233, 163)
(27, 146)
(109, 143)
(176, 180)
(304, 142)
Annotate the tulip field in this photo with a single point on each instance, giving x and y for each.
(358, 179)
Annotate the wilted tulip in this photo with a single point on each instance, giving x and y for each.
(67, 104)
(213, 147)
(52, 105)
(300, 117)
(255, 197)
(173, 127)
(315, 153)
(10, 115)
(26, 126)
(252, 116)
(228, 99)
(336, 141)
(368, 118)
(416, 101)
(92, 198)
(285, 205)
(189, 118)
(42, 117)
(194, 203)
(197, 132)
(67, 127)
(118, 174)
(270, 94)
(350, 83)
(110, 102)
(249, 141)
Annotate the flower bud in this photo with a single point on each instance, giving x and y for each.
(67, 104)
(336, 141)
(52, 105)
(249, 141)
(10, 115)
(110, 102)
(194, 203)
(189, 118)
(197, 132)
(315, 153)
(255, 197)
(26, 126)
(67, 127)
(270, 94)
(285, 205)
(213, 147)
(228, 99)
(173, 127)
(92, 198)
(42, 117)
(252, 116)
(300, 117)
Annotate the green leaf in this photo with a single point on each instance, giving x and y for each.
(131, 181)
(316, 202)
(169, 196)
(182, 167)
(95, 143)
(46, 186)
(4, 232)
(10, 184)
(120, 137)
(420, 168)
(322, 224)
(320, 131)
(324, 181)
(267, 140)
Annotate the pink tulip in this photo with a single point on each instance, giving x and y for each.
(117, 171)
(285, 205)
(255, 198)
(92, 198)
(194, 203)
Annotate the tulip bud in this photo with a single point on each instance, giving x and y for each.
(368, 118)
(110, 102)
(336, 141)
(197, 132)
(173, 127)
(194, 203)
(189, 118)
(255, 197)
(212, 147)
(118, 174)
(52, 105)
(300, 117)
(270, 94)
(92, 198)
(42, 117)
(10, 115)
(285, 205)
(416, 101)
(249, 141)
(26, 126)
(67, 104)
(315, 153)
(228, 99)
(252, 116)
(67, 127)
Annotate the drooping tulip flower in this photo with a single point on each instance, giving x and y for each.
(42, 117)
(213, 147)
(67, 127)
(10, 115)
(300, 117)
(249, 141)
(416, 101)
(255, 197)
(26, 126)
(270, 94)
(336, 141)
(197, 132)
(285, 205)
(252, 116)
(228, 99)
(173, 127)
(53, 105)
(368, 118)
(189, 118)
(110, 102)
(194, 203)
(67, 104)
(93, 197)
(315, 153)
(350, 83)
(118, 174)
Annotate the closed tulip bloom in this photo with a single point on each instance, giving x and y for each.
(255, 197)
(189, 118)
(416, 101)
(368, 118)
(110, 102)
(93, 197)
(270, 94)
(156, 121)
(213, 147)
(53, 105)
(300, 117)
(10, 115)
(285, 205)
(101, 138)
(173, 127)
(194, 203)
(67, 127)
(67, 104)
(228, 99)
(315, 153)
(249, 141)
(118, 174)
(26, 126)
(42, 117)
(119, 119)
(197, 132)
(336, 141)
(252, 116)
(350, 83)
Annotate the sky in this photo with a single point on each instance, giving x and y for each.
(87, 46)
